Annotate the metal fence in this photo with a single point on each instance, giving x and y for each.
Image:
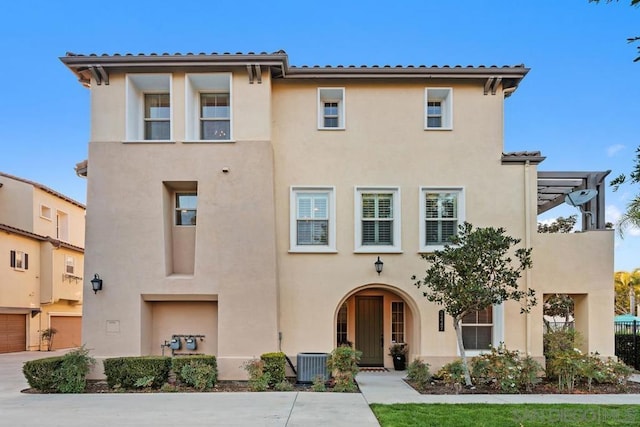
(627, 342)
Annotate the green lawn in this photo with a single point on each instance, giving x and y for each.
(496, 415)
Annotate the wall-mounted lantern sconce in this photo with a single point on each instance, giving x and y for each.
(378, 265)
(96, 283)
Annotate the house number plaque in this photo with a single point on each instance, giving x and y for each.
(441, 321)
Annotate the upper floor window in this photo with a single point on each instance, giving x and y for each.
(331, 108)
(157, 113)
(186, 208)
(69, 265)
(438, 108)
(312, 219)
(441, 211)
(208, 107)
(377, 225)
(148, 107)
(19, 260)
(45, 212)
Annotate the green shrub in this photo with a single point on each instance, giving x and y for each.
(124, 372)
(505, 370)
(556, 343)
(343, 363)
(178, 363)
(40, 373)
(61, 374)
(319, 384)
(418, 373)
(452, 373)
(283, 386)
(199, 375)
(258, 378)
(274, 365)
(72, 372)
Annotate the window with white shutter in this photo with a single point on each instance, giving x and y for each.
(377, 227)
(441, 212)
(312, 219)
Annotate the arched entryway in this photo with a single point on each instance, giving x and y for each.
(374, 316)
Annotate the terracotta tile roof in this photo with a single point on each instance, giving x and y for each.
(55, 242)
(44, 188)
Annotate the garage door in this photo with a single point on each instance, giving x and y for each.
(69, 331)
(13, 333)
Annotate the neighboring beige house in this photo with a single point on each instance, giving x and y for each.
(41, 274)
(300, 179)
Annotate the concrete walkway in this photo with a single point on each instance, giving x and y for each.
(290, 409)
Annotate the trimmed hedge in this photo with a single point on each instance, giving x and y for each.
(178, 364)
(124, 372)
(60, 374)
(41, 373)
(274, 365)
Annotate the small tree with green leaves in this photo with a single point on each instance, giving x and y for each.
(473, 273)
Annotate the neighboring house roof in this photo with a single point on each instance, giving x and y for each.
(44, 188)
(55, 242)
(98, 67)
(534, 157)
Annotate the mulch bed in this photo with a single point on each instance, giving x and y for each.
(544, 387)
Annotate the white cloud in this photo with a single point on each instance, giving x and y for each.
(612, 150)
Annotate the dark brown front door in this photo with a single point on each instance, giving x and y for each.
(369, 338)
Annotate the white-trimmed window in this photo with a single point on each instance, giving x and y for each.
(45, 212)
(377, 222)
(19, 260)
(208, 107)
(331, 108)
(312, 219)
(438, 108)
(397, 322)
(482, 329)
(69, 264)
(186, 208)
(148, 108)
(441, 211)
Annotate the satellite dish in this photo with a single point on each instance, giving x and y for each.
(580, 197)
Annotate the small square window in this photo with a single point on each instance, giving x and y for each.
(439, 111)
(19, 260)
(45, 212)
(331, 108)
(70, 265)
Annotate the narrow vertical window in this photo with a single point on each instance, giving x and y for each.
(215, 116)
(331, 108)
(341, 326)
(157, 111)
(62, 226)
(397, 322)
(438, 108)
(70, 264)
(186, 208)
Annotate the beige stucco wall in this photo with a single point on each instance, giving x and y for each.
(16, 204)
(129, 241)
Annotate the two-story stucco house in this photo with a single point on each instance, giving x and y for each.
(41, 273)
(239, 199)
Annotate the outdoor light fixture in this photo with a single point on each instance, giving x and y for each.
(96, 283)
(378, 265)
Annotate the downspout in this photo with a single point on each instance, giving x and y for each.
(527, 245)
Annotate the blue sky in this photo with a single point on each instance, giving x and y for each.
(578, 105)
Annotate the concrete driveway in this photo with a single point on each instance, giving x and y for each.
(170, 409)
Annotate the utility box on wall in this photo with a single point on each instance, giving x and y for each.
(310, 365)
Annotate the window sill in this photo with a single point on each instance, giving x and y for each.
(148, 141)
(323, 250)
(377, 250)
(438, 128)
(342, 128)
(209, 141)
